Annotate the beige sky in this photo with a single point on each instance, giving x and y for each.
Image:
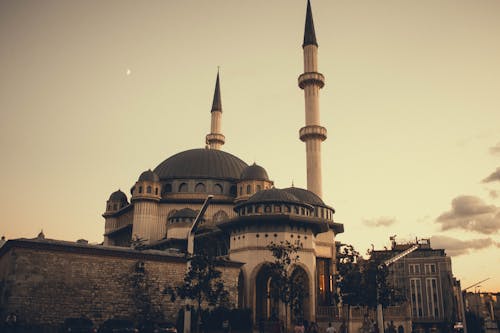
(92, 93)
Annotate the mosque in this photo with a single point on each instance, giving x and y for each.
(247, 212)
(245, 215)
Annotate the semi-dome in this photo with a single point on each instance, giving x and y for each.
(201, 163)
(272, 195)
(305, 196)
(149, 176)
(118, 196)
(254, 172)
(184, 213)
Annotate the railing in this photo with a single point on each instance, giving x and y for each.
(327, 313)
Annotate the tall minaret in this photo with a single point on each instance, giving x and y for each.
(215, 139)
(312, 81)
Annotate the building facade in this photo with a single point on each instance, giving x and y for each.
(425, 277)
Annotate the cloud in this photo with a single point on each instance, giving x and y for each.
(456, 247)
(495, 176)
(380, 222)
(472, 214)
(493, 194)
(495, 149)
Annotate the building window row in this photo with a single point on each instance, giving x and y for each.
(273, 208)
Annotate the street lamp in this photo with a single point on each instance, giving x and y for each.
(190, 252)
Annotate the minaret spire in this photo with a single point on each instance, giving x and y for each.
(309, 33)
(215, 139)
(311, 81)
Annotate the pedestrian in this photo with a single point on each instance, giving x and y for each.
(226, 327)
(261, 325)
(330, 328)
(299, 327)
(313, 327)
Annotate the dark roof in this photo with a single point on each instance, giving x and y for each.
(184, 212)
(309, 33)
(217, 103)
(305, 196)
(149, 176)
(118, 196)
(254, 172)
(273, 195)
(201, 163)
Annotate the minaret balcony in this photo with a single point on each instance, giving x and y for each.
(215, 138)
(311, 78)
(313, 131)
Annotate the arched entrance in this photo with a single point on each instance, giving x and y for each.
(266, 295)
(300, 305)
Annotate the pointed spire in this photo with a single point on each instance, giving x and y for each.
(217, 104)
(309, 33)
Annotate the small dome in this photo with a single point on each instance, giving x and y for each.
(273, 195)
(118, 196)
(184, 213)
(149, 176)
(254, 172)
(305, 196)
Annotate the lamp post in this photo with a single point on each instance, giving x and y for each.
(190, 252)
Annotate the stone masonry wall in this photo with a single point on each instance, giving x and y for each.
(45, 286)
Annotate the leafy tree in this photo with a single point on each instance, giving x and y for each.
(363, 281)
(202, 284)
(288, 288)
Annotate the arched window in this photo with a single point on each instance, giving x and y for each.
(296, 209)
(287, 209)
(149, 189)
(267, 209)
(218, 189)
(183, 187)
(249, 189)
(167, 188)
(277, 209)
(200, 187)
(156, 190)
(115, 207)
(140, 189)
(241, 190)
(259, 188)
(220, 216)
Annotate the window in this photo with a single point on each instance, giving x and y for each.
(267, 209)
(199, 188)
(249, 189)
(416, 297)
(432, 297)
(168, 188)
(183, 187)
(241, 190)
(258, 188)
(414, 269)
(149, 189)
(140, 189)
(218, 189)
(277, 209)
(115, 207)
(430, 268)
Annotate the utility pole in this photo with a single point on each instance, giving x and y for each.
(189, 253)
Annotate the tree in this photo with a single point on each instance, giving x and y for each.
(363, 281)
(202, 284)
(286, 286)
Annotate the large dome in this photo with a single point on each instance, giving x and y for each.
(201, 163)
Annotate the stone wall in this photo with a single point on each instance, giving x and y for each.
(48, 281)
